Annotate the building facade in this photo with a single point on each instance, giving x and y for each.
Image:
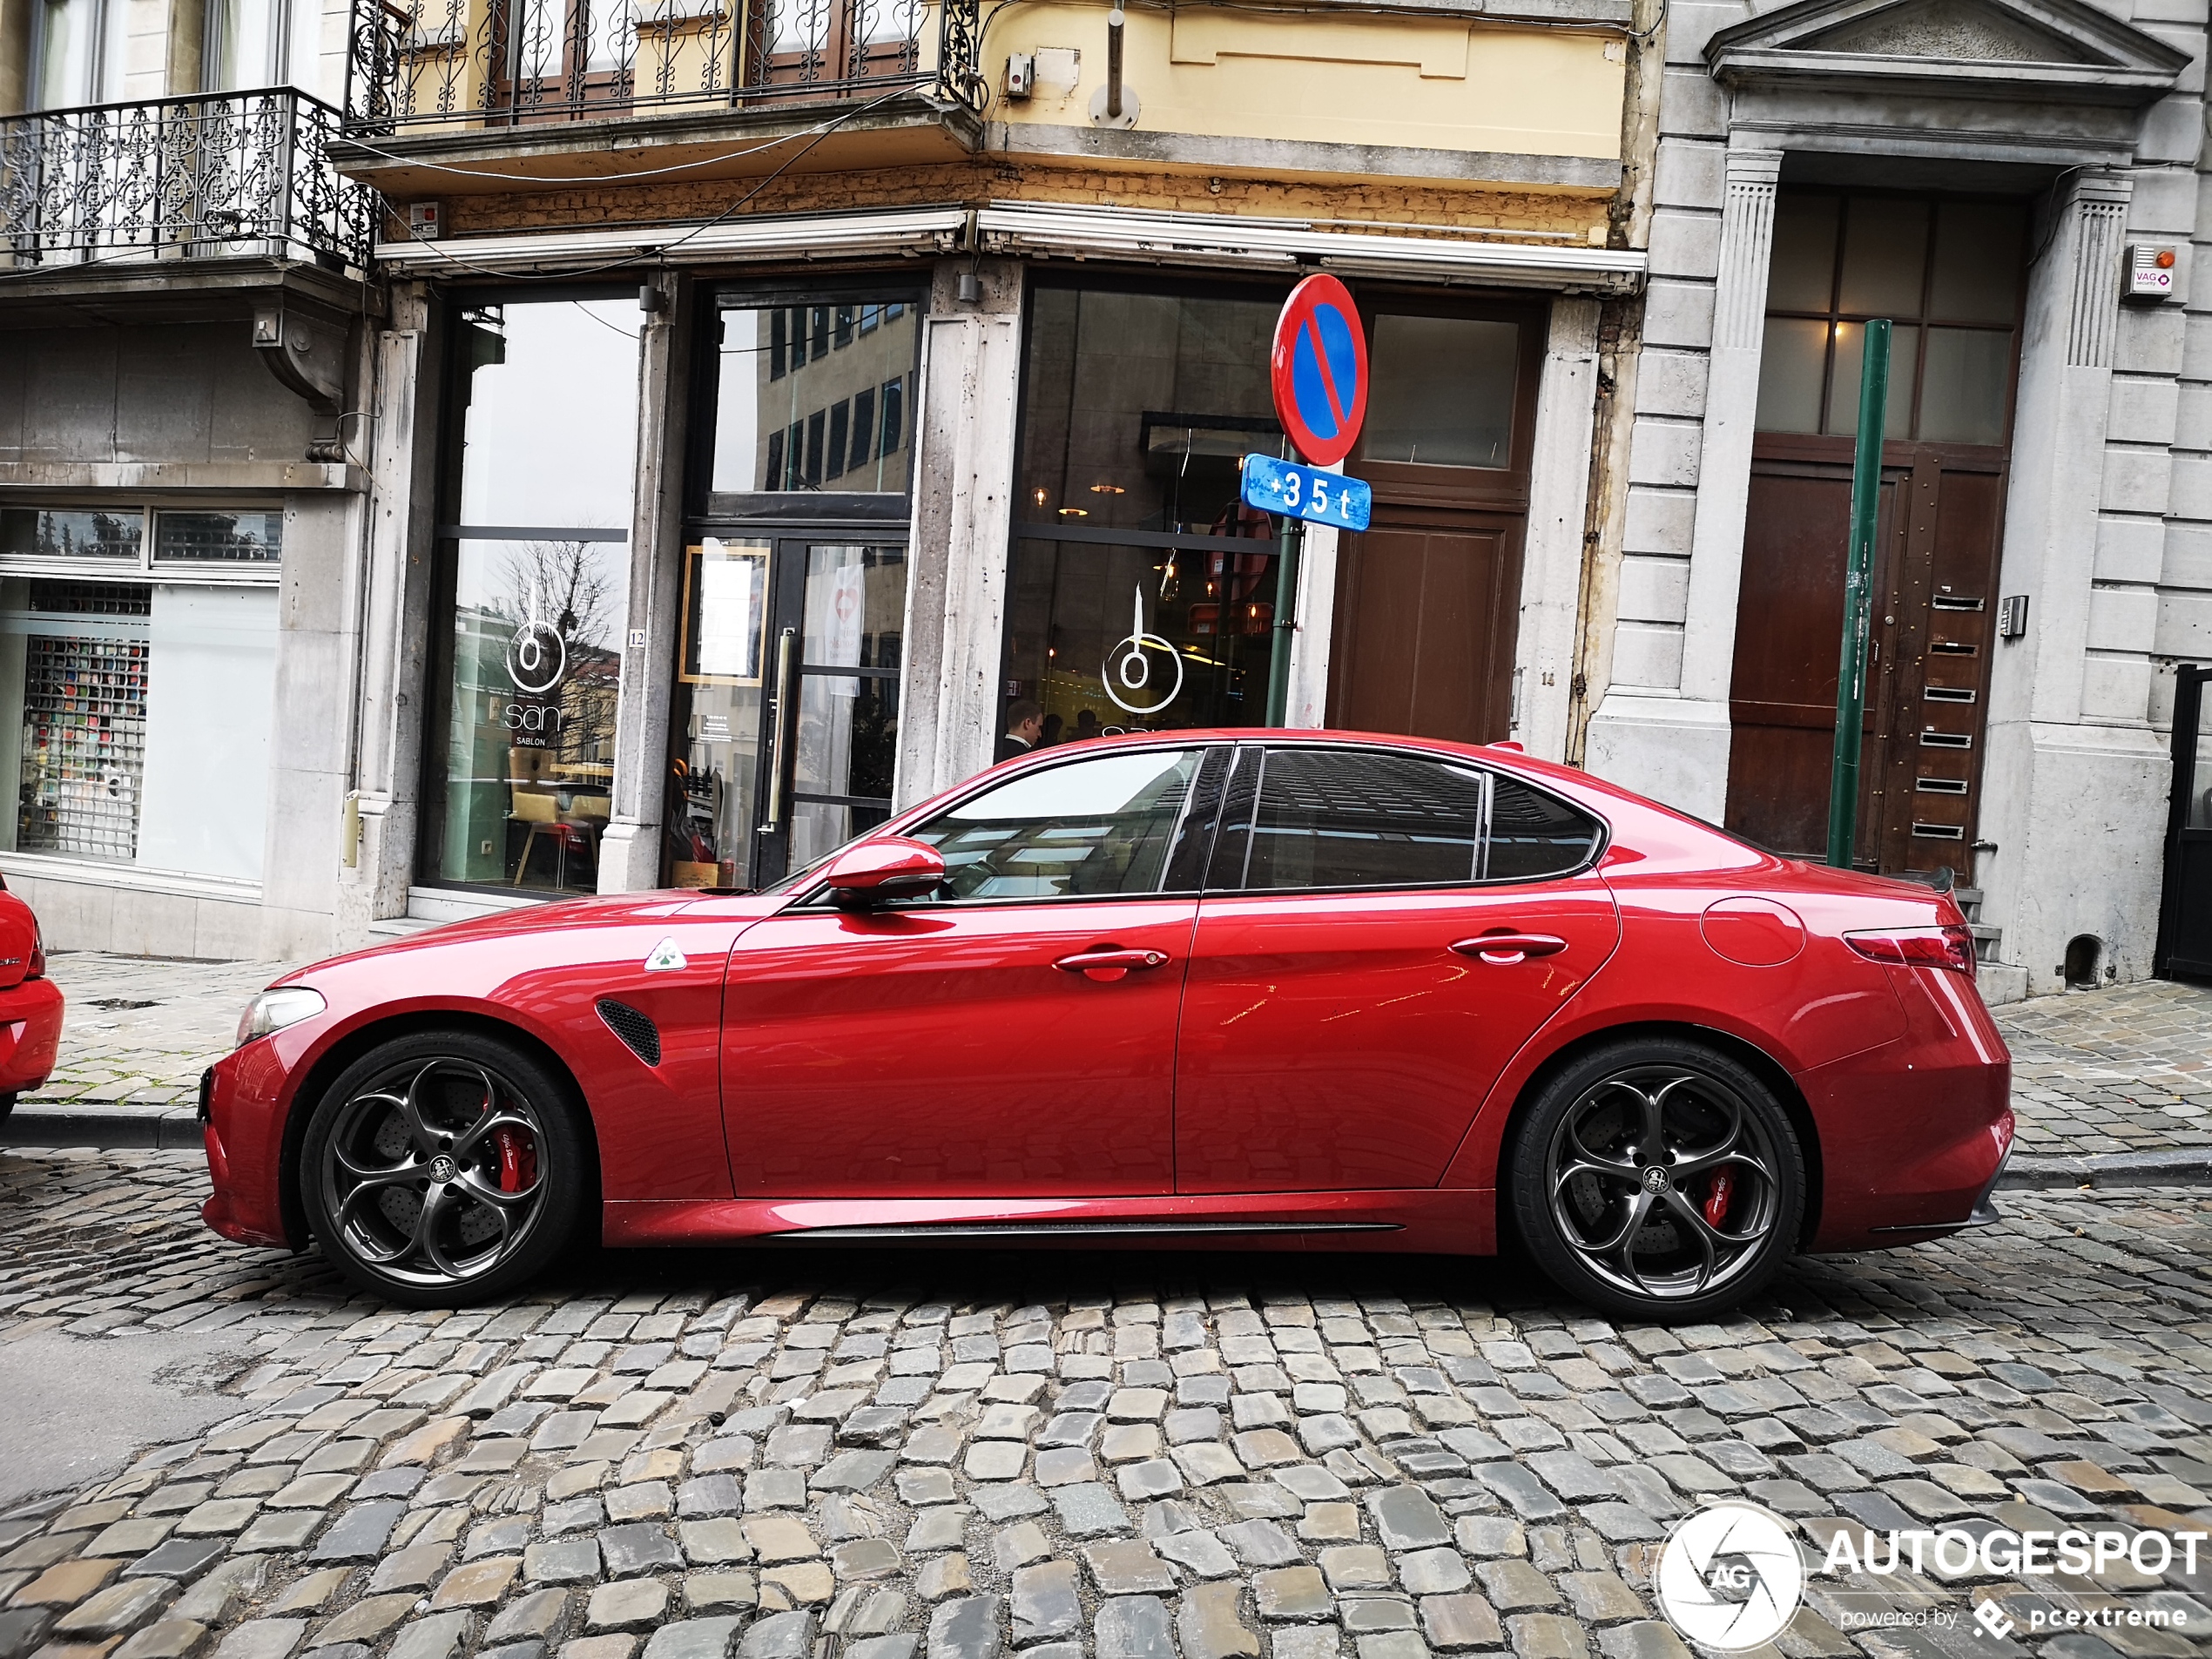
(662, 438)
(1982, 172)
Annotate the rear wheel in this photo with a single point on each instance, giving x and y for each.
(443, 1168)
(1658, 1178)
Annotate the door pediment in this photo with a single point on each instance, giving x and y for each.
(2039, 50)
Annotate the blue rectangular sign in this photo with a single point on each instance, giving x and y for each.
(1307, 492)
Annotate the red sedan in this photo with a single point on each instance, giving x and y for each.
(31, 1005)
(1236, 988)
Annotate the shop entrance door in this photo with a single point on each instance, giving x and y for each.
(787, 697)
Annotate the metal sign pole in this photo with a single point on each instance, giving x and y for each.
(1278, 665)
(1858, 575)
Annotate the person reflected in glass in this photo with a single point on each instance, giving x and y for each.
(1053, 726)
(1086, 724)
(1024, 725)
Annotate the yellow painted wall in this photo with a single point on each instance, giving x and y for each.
(1334, 78)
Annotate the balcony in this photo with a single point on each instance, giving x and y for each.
(435, 84)
(121, 193)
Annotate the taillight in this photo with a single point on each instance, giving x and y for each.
(37, 969)
(1952, 948)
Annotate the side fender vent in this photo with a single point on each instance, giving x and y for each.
(638, 1034)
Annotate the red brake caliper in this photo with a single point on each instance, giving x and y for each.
(1716, 1199)
(517, 1161)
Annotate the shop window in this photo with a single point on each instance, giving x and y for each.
(830, 415)
(1140, 594)
(135, 711)
(1948, 274)
(534, 579)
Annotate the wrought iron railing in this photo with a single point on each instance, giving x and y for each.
(461, 65)
(205, 176)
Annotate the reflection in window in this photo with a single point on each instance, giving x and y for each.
(1137, 410)
(1100, 825)
(1443, 391)
(539, 582)
(1533, 834)
(71, 533)
(253, 538)
(814, 397)
(1355, 819)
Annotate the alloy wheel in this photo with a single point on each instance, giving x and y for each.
(1662, 1181)
(436, 1172)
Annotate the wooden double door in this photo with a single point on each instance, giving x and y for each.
(1933, 625)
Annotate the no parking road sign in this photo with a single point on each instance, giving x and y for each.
(1320, 370)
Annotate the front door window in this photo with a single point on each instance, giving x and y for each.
(959, 1046)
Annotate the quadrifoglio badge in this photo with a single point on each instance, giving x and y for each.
(1732, 1575)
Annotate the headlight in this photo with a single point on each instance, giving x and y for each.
(273, 1011)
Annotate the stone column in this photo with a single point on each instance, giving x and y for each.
(2075, 778)
(629, 851)
(1551, 571)
(1674, 744)
(387, 771)
(971, 379)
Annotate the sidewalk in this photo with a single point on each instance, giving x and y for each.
(2121, 1073)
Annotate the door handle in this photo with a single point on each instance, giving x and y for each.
(780, 726)
(1503, 950)
(1110, 962)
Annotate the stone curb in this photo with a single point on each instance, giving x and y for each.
(2189, 1167)
(171, 1130)
(178, 1128)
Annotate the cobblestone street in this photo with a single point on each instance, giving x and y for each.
(784, 1456)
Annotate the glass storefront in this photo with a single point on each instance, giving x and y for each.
(137, 669)
(1141, 595)
(534, 577)
(786, 724)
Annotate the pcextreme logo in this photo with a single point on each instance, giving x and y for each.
(1730, 1578)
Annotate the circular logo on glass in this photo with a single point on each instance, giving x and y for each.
(536, 658)
(1730, 1577)
(1129, 668)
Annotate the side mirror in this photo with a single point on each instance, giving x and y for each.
(876, 872)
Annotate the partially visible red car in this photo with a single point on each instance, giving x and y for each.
(31, 1005)
(1247, 988)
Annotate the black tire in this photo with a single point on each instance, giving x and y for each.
(7, 1107)
(494, 1129)
(1632, 1233)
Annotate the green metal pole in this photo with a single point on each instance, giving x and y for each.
(1278, 664)
(1859, 576)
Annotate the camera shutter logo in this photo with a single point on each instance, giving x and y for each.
(1730, 1577)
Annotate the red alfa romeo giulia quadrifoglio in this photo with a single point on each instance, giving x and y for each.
(1240, 987)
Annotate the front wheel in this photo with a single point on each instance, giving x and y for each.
(1658, 1179)
(444, 1168)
